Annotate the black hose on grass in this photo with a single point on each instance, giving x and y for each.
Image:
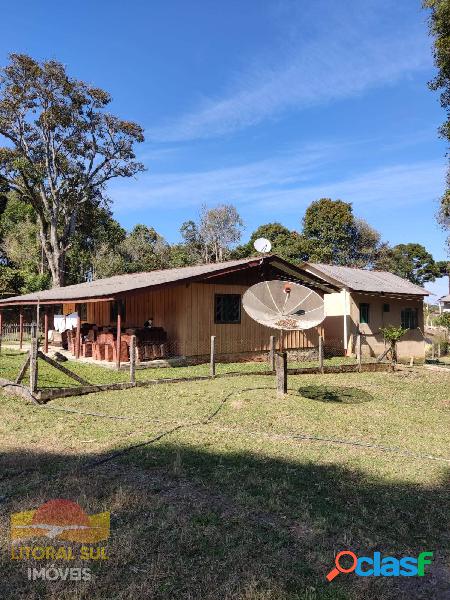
(212, 415)
(206, 420)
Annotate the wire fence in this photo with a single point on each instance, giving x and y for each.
(169, 360)
(11, 332)
(438, 350)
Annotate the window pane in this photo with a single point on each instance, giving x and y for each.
(364, 313)
(409, 318)
(227, 308)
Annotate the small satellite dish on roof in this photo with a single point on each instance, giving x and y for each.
(262, 245)
(283, 305)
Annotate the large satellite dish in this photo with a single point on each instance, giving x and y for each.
(283, 305)
(262, 245)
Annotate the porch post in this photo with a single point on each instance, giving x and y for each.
(119, 336)
(20, 329)
(33, 359)
(345, 322)
(78, 337)
(1, 330)
(46, 332)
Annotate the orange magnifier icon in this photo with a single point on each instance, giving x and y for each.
(339, 568)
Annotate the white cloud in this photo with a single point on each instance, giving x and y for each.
(342, 58)
(285, 185)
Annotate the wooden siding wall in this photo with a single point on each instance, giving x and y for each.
(247, 336)
(186, 312)
(68, 308)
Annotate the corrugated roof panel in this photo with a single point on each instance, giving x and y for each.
(124, 283)
(364, 280)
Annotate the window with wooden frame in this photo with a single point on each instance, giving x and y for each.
(115, 307)
(409, 318)
(386, 307)
(364, 313)
(227, 309)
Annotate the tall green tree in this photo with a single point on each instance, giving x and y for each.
(329, 226)
(24, 266)
(366, 245)
(439, 22)
(97, 232)
(143, 249)
(334, 236)
(60, 150)
(191, 250)
(410, 261)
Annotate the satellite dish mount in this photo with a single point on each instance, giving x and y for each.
(287, 306)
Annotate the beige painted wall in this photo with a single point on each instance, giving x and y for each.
(412, 344)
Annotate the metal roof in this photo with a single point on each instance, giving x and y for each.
(445, 298)
(107, 289)
(363, 280)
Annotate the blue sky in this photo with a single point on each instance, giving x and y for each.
(265, 104)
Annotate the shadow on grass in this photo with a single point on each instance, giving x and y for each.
(328, 393)
(189, 523)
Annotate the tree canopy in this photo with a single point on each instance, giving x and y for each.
(142, 249)
(439, 22)
(333, 235)
(410, 261)
(60, 150)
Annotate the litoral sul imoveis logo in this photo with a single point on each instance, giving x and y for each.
(59, 521)
(381, 566)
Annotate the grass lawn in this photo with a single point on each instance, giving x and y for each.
(236, 506)
(11, 361)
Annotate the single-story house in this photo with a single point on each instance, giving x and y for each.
(444, 304)
(184, 306)
(366, 301)
(174, 312)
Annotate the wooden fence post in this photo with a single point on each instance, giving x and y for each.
(33, 359)
(133, 359)
(1, 330)
(358, 352)
(272, 353)
(281, 372)
(119, 336)
(321, 353)
(20, 329)
(212, 363)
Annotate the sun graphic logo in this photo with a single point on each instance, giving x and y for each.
(62, 520)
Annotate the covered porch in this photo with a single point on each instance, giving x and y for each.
(64, 327)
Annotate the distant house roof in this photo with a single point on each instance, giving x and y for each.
(445, 298)
(363, 280)
(111, 287)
